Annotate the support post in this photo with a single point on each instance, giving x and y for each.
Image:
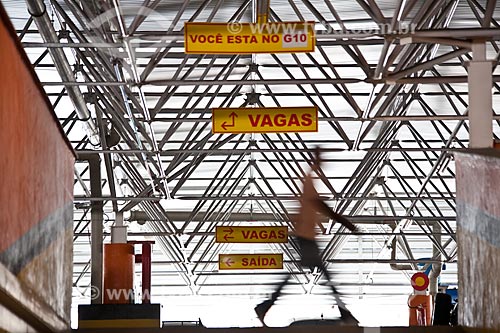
(146, 273)
(96, 227)
(119, 231)
(435, 267)
(96, 223)
(480, 81)
(263, 11)
(145, 260)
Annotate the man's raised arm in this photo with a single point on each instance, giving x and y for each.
(326, 210)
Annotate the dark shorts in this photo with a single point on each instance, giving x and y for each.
(309, 253)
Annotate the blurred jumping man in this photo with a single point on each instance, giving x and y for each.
(305, 232)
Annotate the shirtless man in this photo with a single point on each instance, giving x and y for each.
(305, 232)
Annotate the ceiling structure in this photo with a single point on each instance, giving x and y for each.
(391, 114)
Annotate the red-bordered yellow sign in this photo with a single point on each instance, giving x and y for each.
(247, 38)
(419, 281)
(265, 120)
(250, 261)
(251, 234)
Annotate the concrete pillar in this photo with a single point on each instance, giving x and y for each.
(118, 231)
(436, 267)
(96, 216)
(480, 98)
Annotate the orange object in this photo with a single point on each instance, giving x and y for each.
(420, 307)
(118, 274)
(36, 196)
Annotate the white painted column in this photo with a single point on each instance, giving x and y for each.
(480, 81)
(119, 231)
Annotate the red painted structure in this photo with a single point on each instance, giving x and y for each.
(145, 259)
(36, 198)
(118, 274)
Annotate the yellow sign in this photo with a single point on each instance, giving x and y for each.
(251, 234)
(265, 120)
(250, 261)
(247, 38)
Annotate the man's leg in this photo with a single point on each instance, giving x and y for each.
(312, 257)
(263, 307)
(345, 314)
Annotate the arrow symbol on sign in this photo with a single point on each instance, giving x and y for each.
(225, 125)
(228, 262)
(230, 231)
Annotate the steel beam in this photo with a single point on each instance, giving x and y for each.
(38, 11)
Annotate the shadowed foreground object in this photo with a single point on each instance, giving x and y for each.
(36, 199)
(307, 329)
(97, 316)
(478, 218)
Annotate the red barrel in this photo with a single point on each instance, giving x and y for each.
(118, 273)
